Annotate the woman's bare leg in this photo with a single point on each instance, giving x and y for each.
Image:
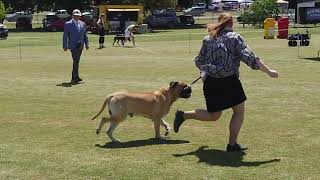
(202, 115)
(236, 122)
(133, 42)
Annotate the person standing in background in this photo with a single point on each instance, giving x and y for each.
(100, 25)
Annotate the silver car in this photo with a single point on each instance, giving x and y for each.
(3, 32)
(13, 17)
(195, 11)
(213, 7)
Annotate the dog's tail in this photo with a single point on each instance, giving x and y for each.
(103, 106)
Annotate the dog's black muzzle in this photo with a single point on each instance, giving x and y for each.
(186, 92)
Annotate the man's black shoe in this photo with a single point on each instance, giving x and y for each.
(235, 148)
(74, 82)
(178, 120)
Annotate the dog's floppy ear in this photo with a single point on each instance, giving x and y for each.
(173, 83)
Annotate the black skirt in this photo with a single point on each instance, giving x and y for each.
(101, 34)
(101, 39)
(223, 93)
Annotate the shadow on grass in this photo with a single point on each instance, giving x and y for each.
(312, 59)
(215, 157)
(139, 143)
(68, 84)
(31, 30)
(126, 46)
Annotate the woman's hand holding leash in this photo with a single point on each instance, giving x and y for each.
(203, 76)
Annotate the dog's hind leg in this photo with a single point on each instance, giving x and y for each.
(166, 126)
(114, 40)
(110, 130)
(103, 121)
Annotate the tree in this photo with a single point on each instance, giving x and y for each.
(159, 4)
(41, 5)
(71, 5)
(148, 4)
(44, 5)
(185, 3)
(259, 11)
(21, 5)
(2, 12)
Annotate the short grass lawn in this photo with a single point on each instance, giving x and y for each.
(46, 131)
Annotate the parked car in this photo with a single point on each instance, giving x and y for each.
(227, 6)
(88, 19)
(168, 19)
(62, 14)
(3, 32)
(291, 16)
(13, 17)
(276, 16)
(88, 15)
(245, 5)
(213, 7)
(53, 23)
(162, 19)
(186, 20)
(24, 23)
(203, 5)
(195, 11)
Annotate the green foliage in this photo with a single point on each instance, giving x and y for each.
(2, 11)
(71, 5)
(46, 131)
(21, 5)
(259, 11)
(157, 4)
(41, 5)
(185, 3)
(44, 5)
(148, 4)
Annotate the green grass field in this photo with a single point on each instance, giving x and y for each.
(46, 131)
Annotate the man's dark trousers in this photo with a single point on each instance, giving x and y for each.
(76, 54)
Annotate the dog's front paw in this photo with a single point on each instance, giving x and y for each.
(97, 131)
(167, 132)
(116, 141)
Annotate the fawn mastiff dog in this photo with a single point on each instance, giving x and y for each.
(154, 105)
